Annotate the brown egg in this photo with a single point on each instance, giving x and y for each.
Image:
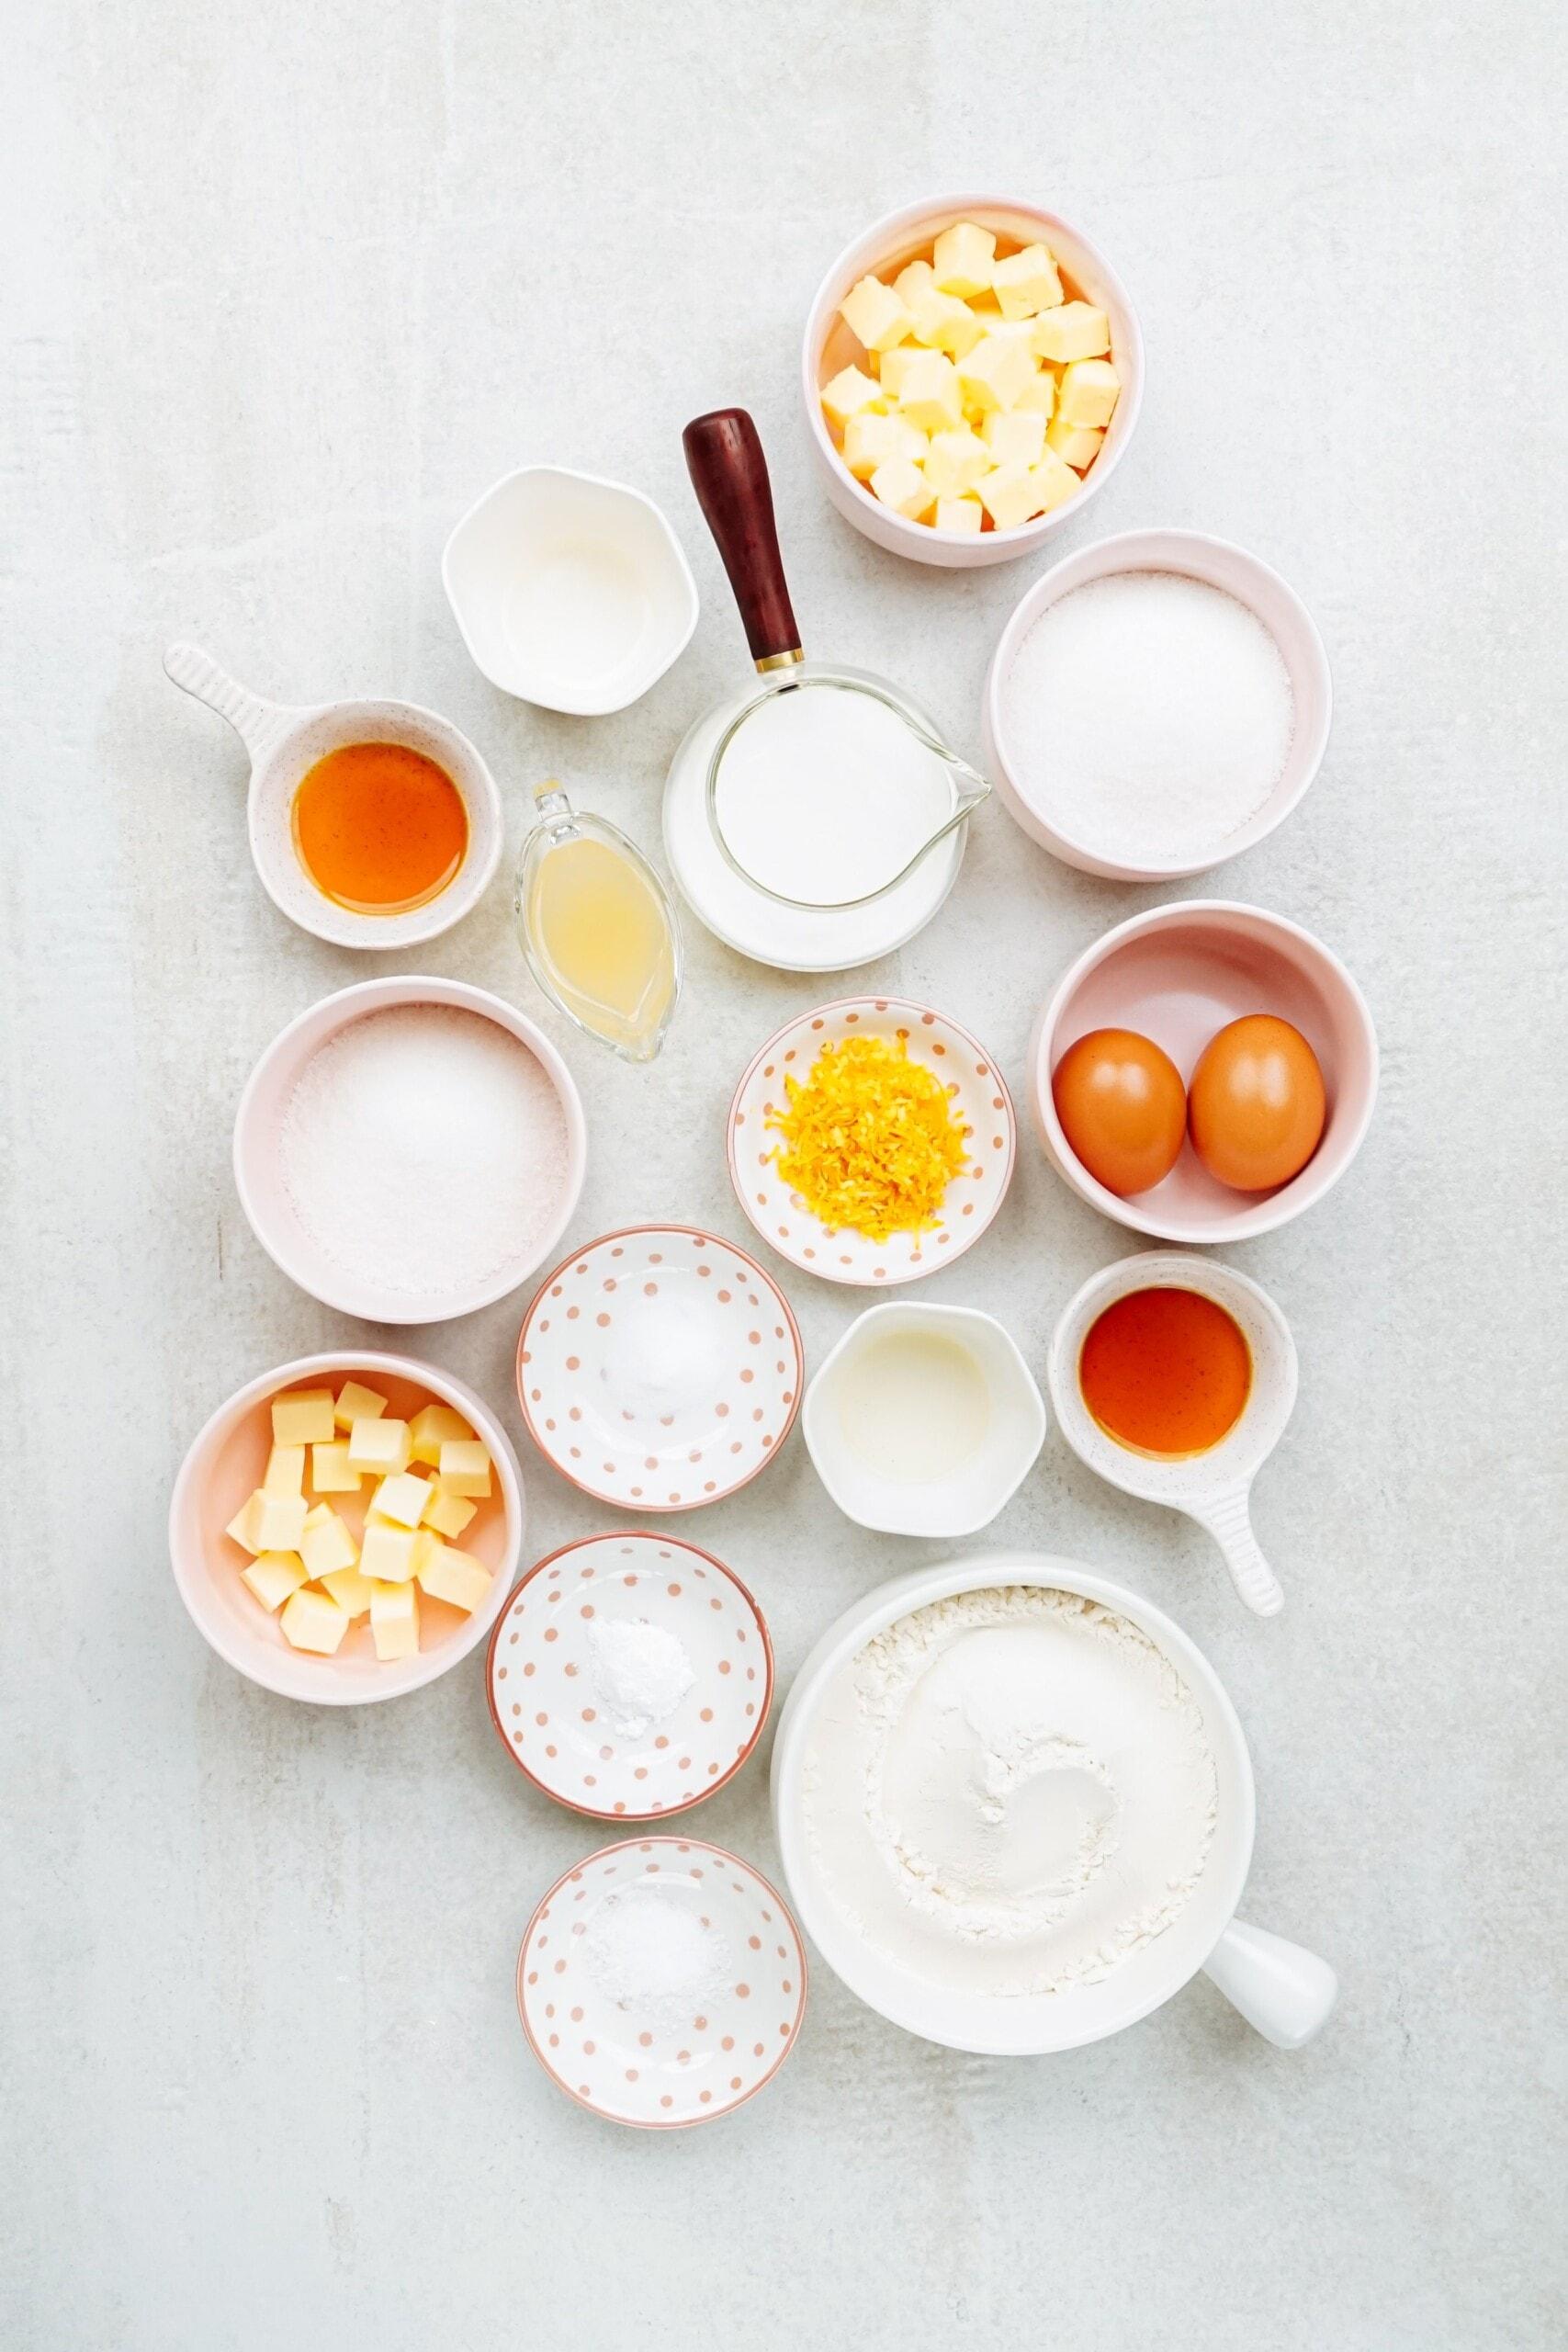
(1123, 1108)
(1255, 1106)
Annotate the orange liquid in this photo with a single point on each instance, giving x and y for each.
(1165, 1373)
(380, 829)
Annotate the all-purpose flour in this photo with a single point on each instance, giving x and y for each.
(1010, 1791)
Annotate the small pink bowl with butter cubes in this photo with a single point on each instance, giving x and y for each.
(972, 373)
(346, 1528)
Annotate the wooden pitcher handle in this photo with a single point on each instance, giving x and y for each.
(730, 474)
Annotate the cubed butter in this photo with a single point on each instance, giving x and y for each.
(901, 485)
(357, 1403)
(994, 374)
(1009, 495)
(1015, 432)
(279, 1522)
(849, 392)
(447, 1514)
(302, 1417)
(401, 1498)
(386, 1553)
(1072, 331)
(351, 1589)
(1077, 445)
(379, 1447)
(1039, 394)
(955, 462)
(1054, 480)
(273, 1576)
(871, 441)
(917, 278)
(429, 1428)
(394, 1619)
(944, 323)
(894, 366)
(285, 1471)
(465, 1468)
(1088, 392)
(929, 396)
(874, 314)
(964, 258)
(1026, 282)
(313, 1621)
(426, 1545)
(455, 1577)
(962, 514)
(325, 1545)
(330, 1471)
(243, 1526)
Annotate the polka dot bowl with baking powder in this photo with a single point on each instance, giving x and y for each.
(660, 2063)
(980, 1099)
(569, 1721)
(660, 1368)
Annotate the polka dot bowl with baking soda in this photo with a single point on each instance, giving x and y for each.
(979, 1105)
(630, 1675)
(662, 1982)
(660, 1368)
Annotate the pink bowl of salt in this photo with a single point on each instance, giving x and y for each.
(409, 1149)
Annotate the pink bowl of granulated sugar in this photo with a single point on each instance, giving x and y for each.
(409, 1149)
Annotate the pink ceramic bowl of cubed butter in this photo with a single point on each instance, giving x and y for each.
(828, 345)
(226, 1462)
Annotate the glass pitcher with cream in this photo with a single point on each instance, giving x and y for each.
(825, 787)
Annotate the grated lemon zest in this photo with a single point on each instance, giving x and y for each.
(870, 1140)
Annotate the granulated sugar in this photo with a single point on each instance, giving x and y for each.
(1148, 716)
(424, 1151)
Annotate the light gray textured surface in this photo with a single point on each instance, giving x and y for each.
(286, 289)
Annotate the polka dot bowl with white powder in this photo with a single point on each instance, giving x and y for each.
(409, 1149)
(630, 1675)
(662, 1982)
(1157, 704)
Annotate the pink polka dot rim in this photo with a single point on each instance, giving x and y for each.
(980, 1098)
(663, 2068)
(548, 1696)
(660, 1368)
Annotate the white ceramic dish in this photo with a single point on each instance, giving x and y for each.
(828, 345)
(556, 1720)
(652, 2067)
(1027, 798)
(285, 742)
(570, 591)
(1287, 1992)
(660, 1368)
(1177, 975)
(264, 1103)
(978, 1089)
(226, 1461)
(766, 929)
(971, 1494)
(1213, 1488)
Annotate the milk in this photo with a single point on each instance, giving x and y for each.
(914, 1406)
(825, 794)
(578, 609)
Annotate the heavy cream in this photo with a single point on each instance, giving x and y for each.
(1010, 1791)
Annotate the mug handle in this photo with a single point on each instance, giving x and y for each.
(730, 474)
(1282, 1990)
(258, 724)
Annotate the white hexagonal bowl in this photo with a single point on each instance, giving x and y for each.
(971, 1497)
